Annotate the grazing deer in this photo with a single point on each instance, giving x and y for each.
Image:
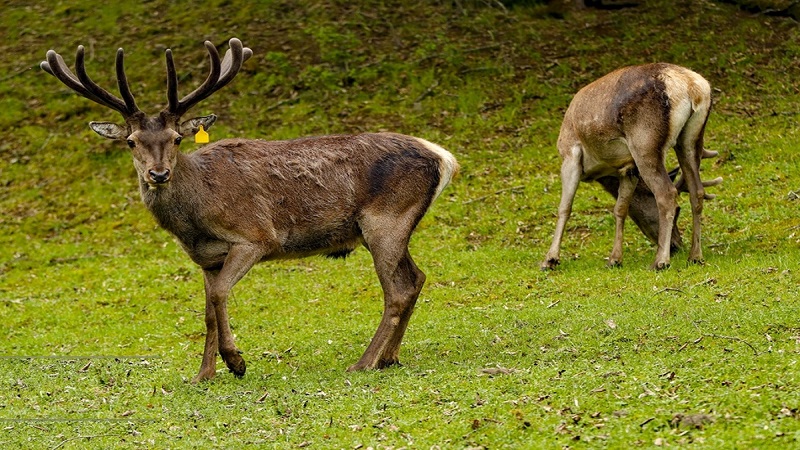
(618, 129)
(238, 202)
(644, 210)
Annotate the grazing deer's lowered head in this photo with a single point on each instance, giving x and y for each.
(617, 131)
(238, 202)
(644, 209)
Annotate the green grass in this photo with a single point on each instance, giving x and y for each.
(103, 313)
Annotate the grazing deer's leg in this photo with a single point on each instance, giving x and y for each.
(240, 259)
(401, 281)
(643, 211)
(658, 181)
(208, 368)
(689, 150)
(696, 195)
(627, 185)
(648, 147)
(570, 178)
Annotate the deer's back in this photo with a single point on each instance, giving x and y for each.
(301, 196)
(653, 101)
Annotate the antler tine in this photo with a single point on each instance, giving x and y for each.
(204, 90)
(105, 98)
(124, 87)
(56, 67)
(220, 75)
(681, 184)
(172, 83)
(234, 58)
(83, 85)
(709, 154)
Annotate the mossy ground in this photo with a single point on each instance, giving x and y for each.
(102, 311)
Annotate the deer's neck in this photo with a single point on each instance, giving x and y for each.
(175, 205)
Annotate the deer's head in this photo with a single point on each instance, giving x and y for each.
(154, 140)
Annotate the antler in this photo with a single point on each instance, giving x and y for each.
(219, 76)
(84, 85)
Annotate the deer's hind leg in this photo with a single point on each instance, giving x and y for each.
(647, 148)
(387, 238)
(689, 150)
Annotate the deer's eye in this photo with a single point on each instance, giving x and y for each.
(131, 144)
(178, 140)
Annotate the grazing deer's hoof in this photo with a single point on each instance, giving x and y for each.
(613, 264)
(698, 261)
(660, 265)
(384, 363)
(358, 367)
(550, 263)
(204, 376)
(380, 364)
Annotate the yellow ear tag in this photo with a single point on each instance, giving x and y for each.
(201, 137)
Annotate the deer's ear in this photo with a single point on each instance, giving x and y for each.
(191, 126)
(109, 130)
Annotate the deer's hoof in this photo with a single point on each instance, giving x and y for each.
(357, 367)
(613, 264)
(377, 365)
(384, 363)
(203, 376)
(550, 263)
(238, 369)
(236, 365)
(660, 265)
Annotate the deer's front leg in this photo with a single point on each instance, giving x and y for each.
(627, 185)
(240, 259)
(208, 368)
(570, 178)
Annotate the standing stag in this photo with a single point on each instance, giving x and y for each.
(618, 129)
(238, 202)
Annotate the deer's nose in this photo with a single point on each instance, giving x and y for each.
(159, 176)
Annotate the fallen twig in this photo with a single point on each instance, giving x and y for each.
(280, 103)
(647, 421)
(666, 289)
(476, 69)
(482, 48)
(18, 73)
(427, 91)
(513, 189)
(734, 338)
(61, 444)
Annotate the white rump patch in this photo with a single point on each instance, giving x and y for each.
(448, 166)
(690, 99)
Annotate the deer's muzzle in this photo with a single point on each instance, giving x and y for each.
(159, 176)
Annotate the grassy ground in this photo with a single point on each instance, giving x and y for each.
(102, 311)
